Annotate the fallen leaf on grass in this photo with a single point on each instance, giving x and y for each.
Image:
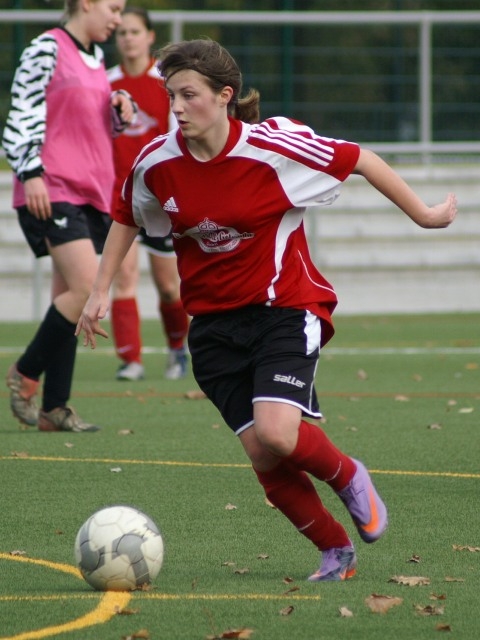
(142, 634)
(435, 426)
(429, 610)
(291, 590)
(450, 579)
(345, 613)
(262, 556)
(243, 634)
(230, 507)
(228, 563)
(287, 580)
(362, 375)
(286, 611)
(411, 581)
(125, 432)
(20, 454)
(381, 604)
(436, 596)
(18, 552)
(195, 394)
(414, 558)
(69, 445)
(443, 627)
(401, 398)
(466, 410)
(459, 547)
(125, 612)
(242, 572)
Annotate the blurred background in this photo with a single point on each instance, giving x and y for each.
(398, 76)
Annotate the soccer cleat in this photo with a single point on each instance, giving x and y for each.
(130, 371)
(22, 396)
(337, 564)
(176, 364)
(364, 505)
(63, 419)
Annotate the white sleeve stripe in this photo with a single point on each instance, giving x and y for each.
(310, 149)
(299, 133)
(288, 146)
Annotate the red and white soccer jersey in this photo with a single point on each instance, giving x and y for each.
(148, 91)
(237, 219)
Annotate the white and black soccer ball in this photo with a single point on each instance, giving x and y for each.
(119, 548)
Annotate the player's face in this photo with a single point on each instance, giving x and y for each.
(201, 114)
(103, 17)
(133, 39)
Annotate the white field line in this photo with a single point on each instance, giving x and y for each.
(336, 351)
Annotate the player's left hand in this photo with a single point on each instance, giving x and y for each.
(443, 214)
(124, 105)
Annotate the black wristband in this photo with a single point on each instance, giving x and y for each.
(34, 173)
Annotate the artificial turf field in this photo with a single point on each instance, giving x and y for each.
(401, 393)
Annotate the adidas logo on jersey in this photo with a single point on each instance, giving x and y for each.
(170, 205)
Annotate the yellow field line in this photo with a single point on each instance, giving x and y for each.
(166, 463)
(226, 465)
(110, 603)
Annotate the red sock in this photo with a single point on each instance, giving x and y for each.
(317, 455)
(125, 321)
(294, 494)
(175, 323)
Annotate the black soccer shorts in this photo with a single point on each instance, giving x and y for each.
(256, 353)
(68, 222)
(157, 246)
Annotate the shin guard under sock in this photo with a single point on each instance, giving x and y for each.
(43, 346)
(58, 379)
(175, 323)
(125, 321)
(292, 492)
(317, 455)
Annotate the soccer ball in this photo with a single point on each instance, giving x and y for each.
(119, 548)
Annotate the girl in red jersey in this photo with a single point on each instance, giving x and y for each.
(137, 73)
(58, 141)
(234, 192)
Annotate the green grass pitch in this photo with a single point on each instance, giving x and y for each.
(401, 393)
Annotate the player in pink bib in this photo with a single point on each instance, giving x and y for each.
(58, 141)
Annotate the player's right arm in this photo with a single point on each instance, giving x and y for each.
(119, 240)
(25, 128)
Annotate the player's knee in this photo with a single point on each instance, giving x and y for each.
(278, 440)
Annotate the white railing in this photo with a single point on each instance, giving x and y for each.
(424, 20)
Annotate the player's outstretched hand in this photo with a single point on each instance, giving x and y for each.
(442, 214)
(89, 322)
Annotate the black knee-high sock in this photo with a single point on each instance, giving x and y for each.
(52, 351)
(57, 384)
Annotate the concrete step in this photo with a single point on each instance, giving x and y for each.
(377, 259)
(359, 292)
